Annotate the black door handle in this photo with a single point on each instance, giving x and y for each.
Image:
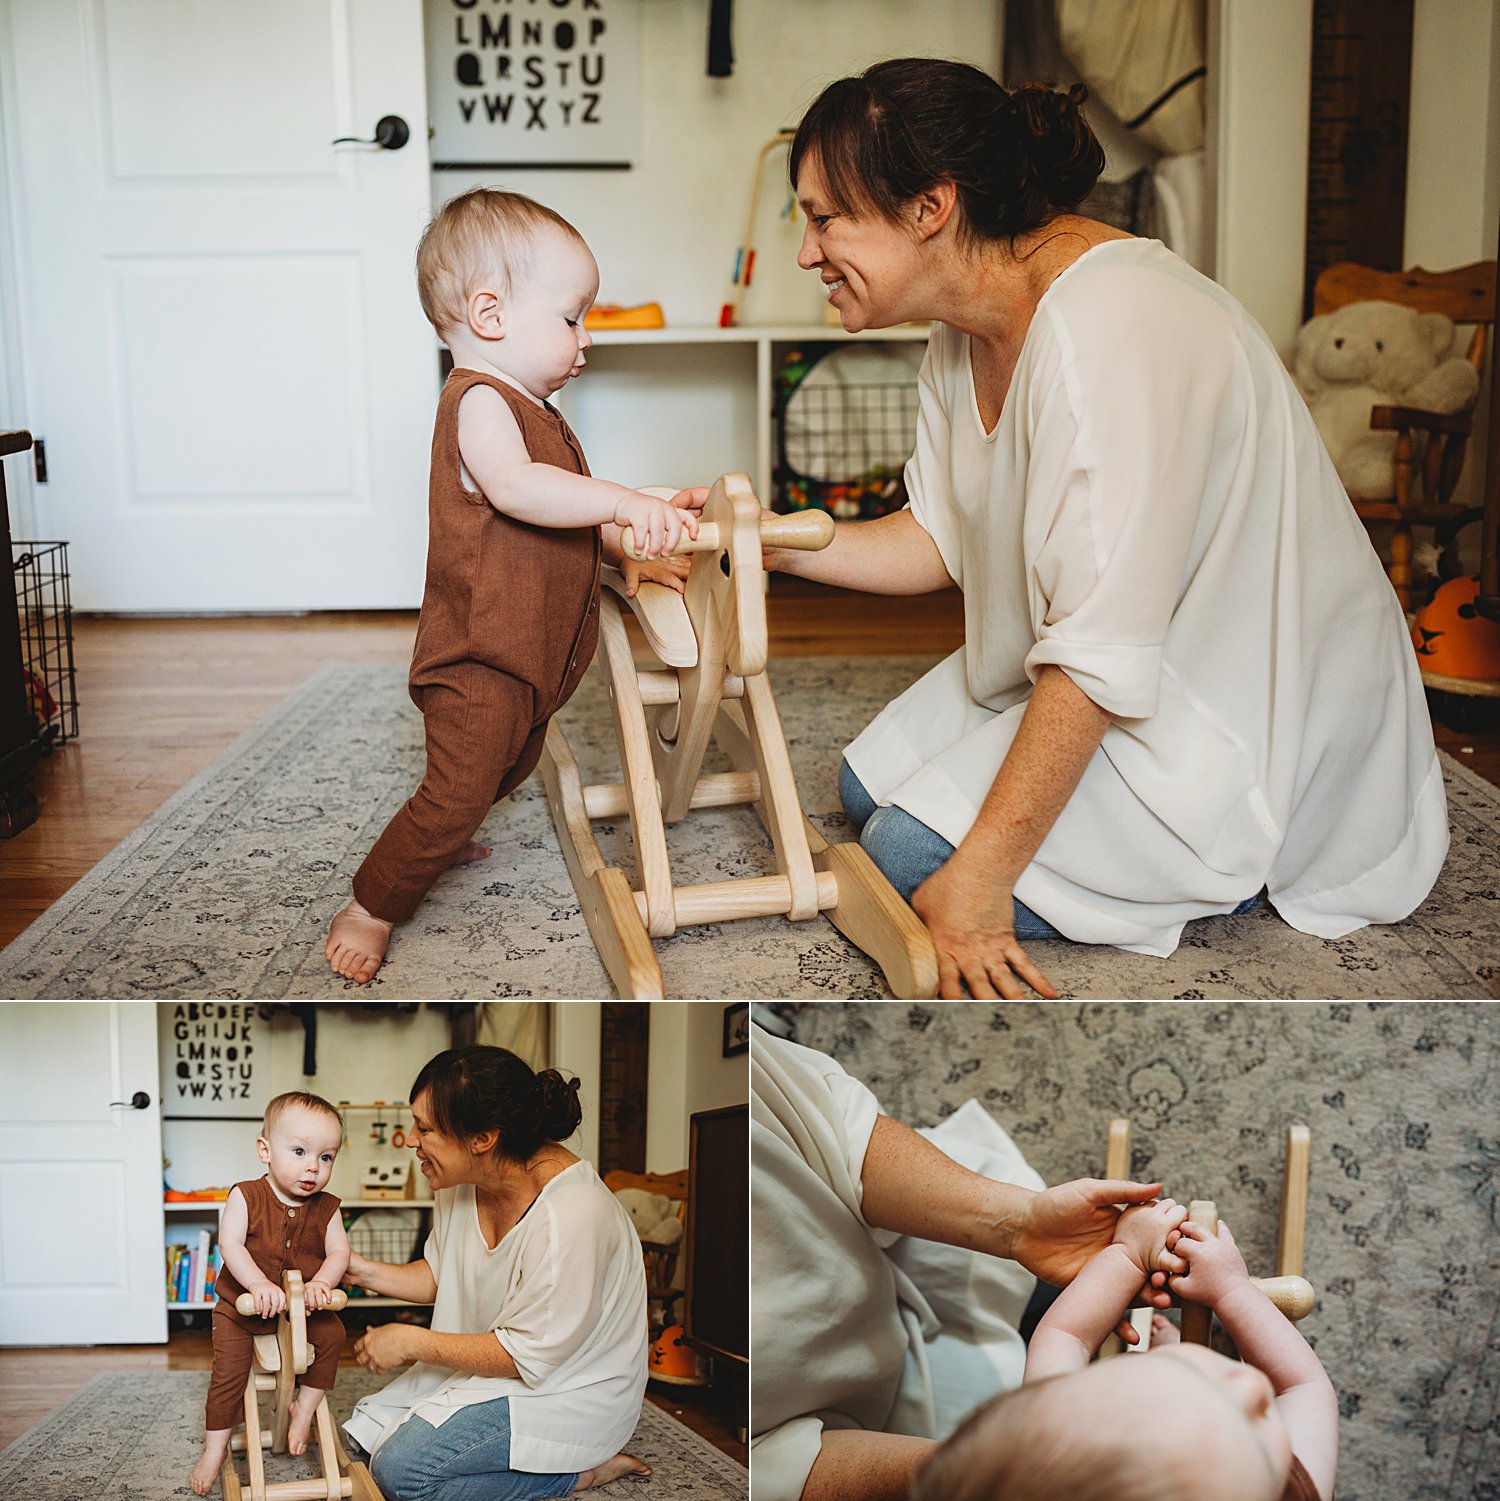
(140, 1100)
(391, 132)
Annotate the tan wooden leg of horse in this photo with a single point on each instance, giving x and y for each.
(279, 1360)
(712, 644)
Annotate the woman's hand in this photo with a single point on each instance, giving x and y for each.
(972, 919)
(1061, 1228)
(384, 1347)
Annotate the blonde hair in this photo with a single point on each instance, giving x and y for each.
(1024, 1447)
(292, 1100)
(485, 232)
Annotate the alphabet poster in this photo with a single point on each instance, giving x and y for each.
(209, 1056)
(533, 83)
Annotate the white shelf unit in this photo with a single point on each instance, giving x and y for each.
(212, 1209)
(685, 405)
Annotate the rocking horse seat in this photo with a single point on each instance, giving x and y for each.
(663, 617)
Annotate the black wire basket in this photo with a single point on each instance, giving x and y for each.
(847, 450)
(44, 606)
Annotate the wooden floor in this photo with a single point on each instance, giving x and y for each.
(34, 1382)
(159, 699)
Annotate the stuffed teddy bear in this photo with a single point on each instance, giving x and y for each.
(653, 1215)
(1370, 354)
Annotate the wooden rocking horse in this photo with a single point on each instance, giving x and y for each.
(711, 684)
(1288, 1289)
(279, 1359)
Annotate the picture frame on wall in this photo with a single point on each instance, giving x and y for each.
(554, 86)
(736, 1029)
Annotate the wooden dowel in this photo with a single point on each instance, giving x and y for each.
(245, 1304)
(1196, 1318)
(1294, 1296)
(806, 531)
(305, 1490)
(749, 896)
(1291, 1236)
(658, 686)
(719, 789)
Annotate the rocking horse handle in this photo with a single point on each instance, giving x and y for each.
(245, 1304)
(807, 531)
(1294, 1296)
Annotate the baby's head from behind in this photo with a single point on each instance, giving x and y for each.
(299, 1141)
(509, 279)
(1178, 1423)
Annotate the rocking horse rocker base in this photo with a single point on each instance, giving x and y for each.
(712, 686)
(279, 1360)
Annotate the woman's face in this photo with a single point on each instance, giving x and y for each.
(445, 1161)
(867, 264)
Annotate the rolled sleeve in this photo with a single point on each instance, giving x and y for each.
(1120, 461)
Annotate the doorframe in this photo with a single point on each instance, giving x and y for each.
(15, 406)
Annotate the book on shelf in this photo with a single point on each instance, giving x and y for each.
(193, 1269)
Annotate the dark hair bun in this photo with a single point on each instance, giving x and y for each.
(559, 1110)
(1059, 142)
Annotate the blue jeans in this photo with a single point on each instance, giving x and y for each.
(908, 851)
(466, 1459)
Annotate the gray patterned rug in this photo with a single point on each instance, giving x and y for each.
(1403, 1242)
(226, 892)
(135, 1437)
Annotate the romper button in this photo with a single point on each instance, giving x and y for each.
(289, 1243)
(291, 1214)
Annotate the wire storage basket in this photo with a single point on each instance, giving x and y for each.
(842, 443)
(44, 606)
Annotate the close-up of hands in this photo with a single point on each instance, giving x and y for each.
(1146, 1232)
(1214, 1265)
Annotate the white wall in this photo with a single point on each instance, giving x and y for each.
(373, 1052)
(667, 230)
(688, 1074)
(575, 1050)
(18, 470)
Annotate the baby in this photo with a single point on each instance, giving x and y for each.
(1175, 1424)
(270, 1225)
(510, 613)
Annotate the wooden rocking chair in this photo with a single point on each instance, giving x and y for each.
(711, 643)
(1288, 1289)
(279, 1360)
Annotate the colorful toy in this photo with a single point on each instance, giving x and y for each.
(744, 257)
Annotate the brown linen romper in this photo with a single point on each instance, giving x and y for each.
(510, 619)
(1299, 1486)
(278, 1236)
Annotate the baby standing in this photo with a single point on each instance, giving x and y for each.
(510, 611)
(270, 1225)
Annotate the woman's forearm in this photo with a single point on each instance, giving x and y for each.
(1059, 732)
(913, 1188)
(890, 555)
(412, 1280)
(856, 1466)
(473, 1354)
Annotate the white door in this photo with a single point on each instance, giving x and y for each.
(222, 343)
(81, 1235)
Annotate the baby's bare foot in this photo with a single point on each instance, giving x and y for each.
(299, 1429)
(612, 1469)
(472, 852)
(1164, 1331)
(357, 941)
(206, 1471)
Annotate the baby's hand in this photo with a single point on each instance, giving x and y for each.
(1215, 1266)
(1145, 1231)
(655, 525)
(269, 1299)
(669, 571)
(315, 1295)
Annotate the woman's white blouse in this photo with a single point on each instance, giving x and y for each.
(565, 1293)
(1155, 514)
